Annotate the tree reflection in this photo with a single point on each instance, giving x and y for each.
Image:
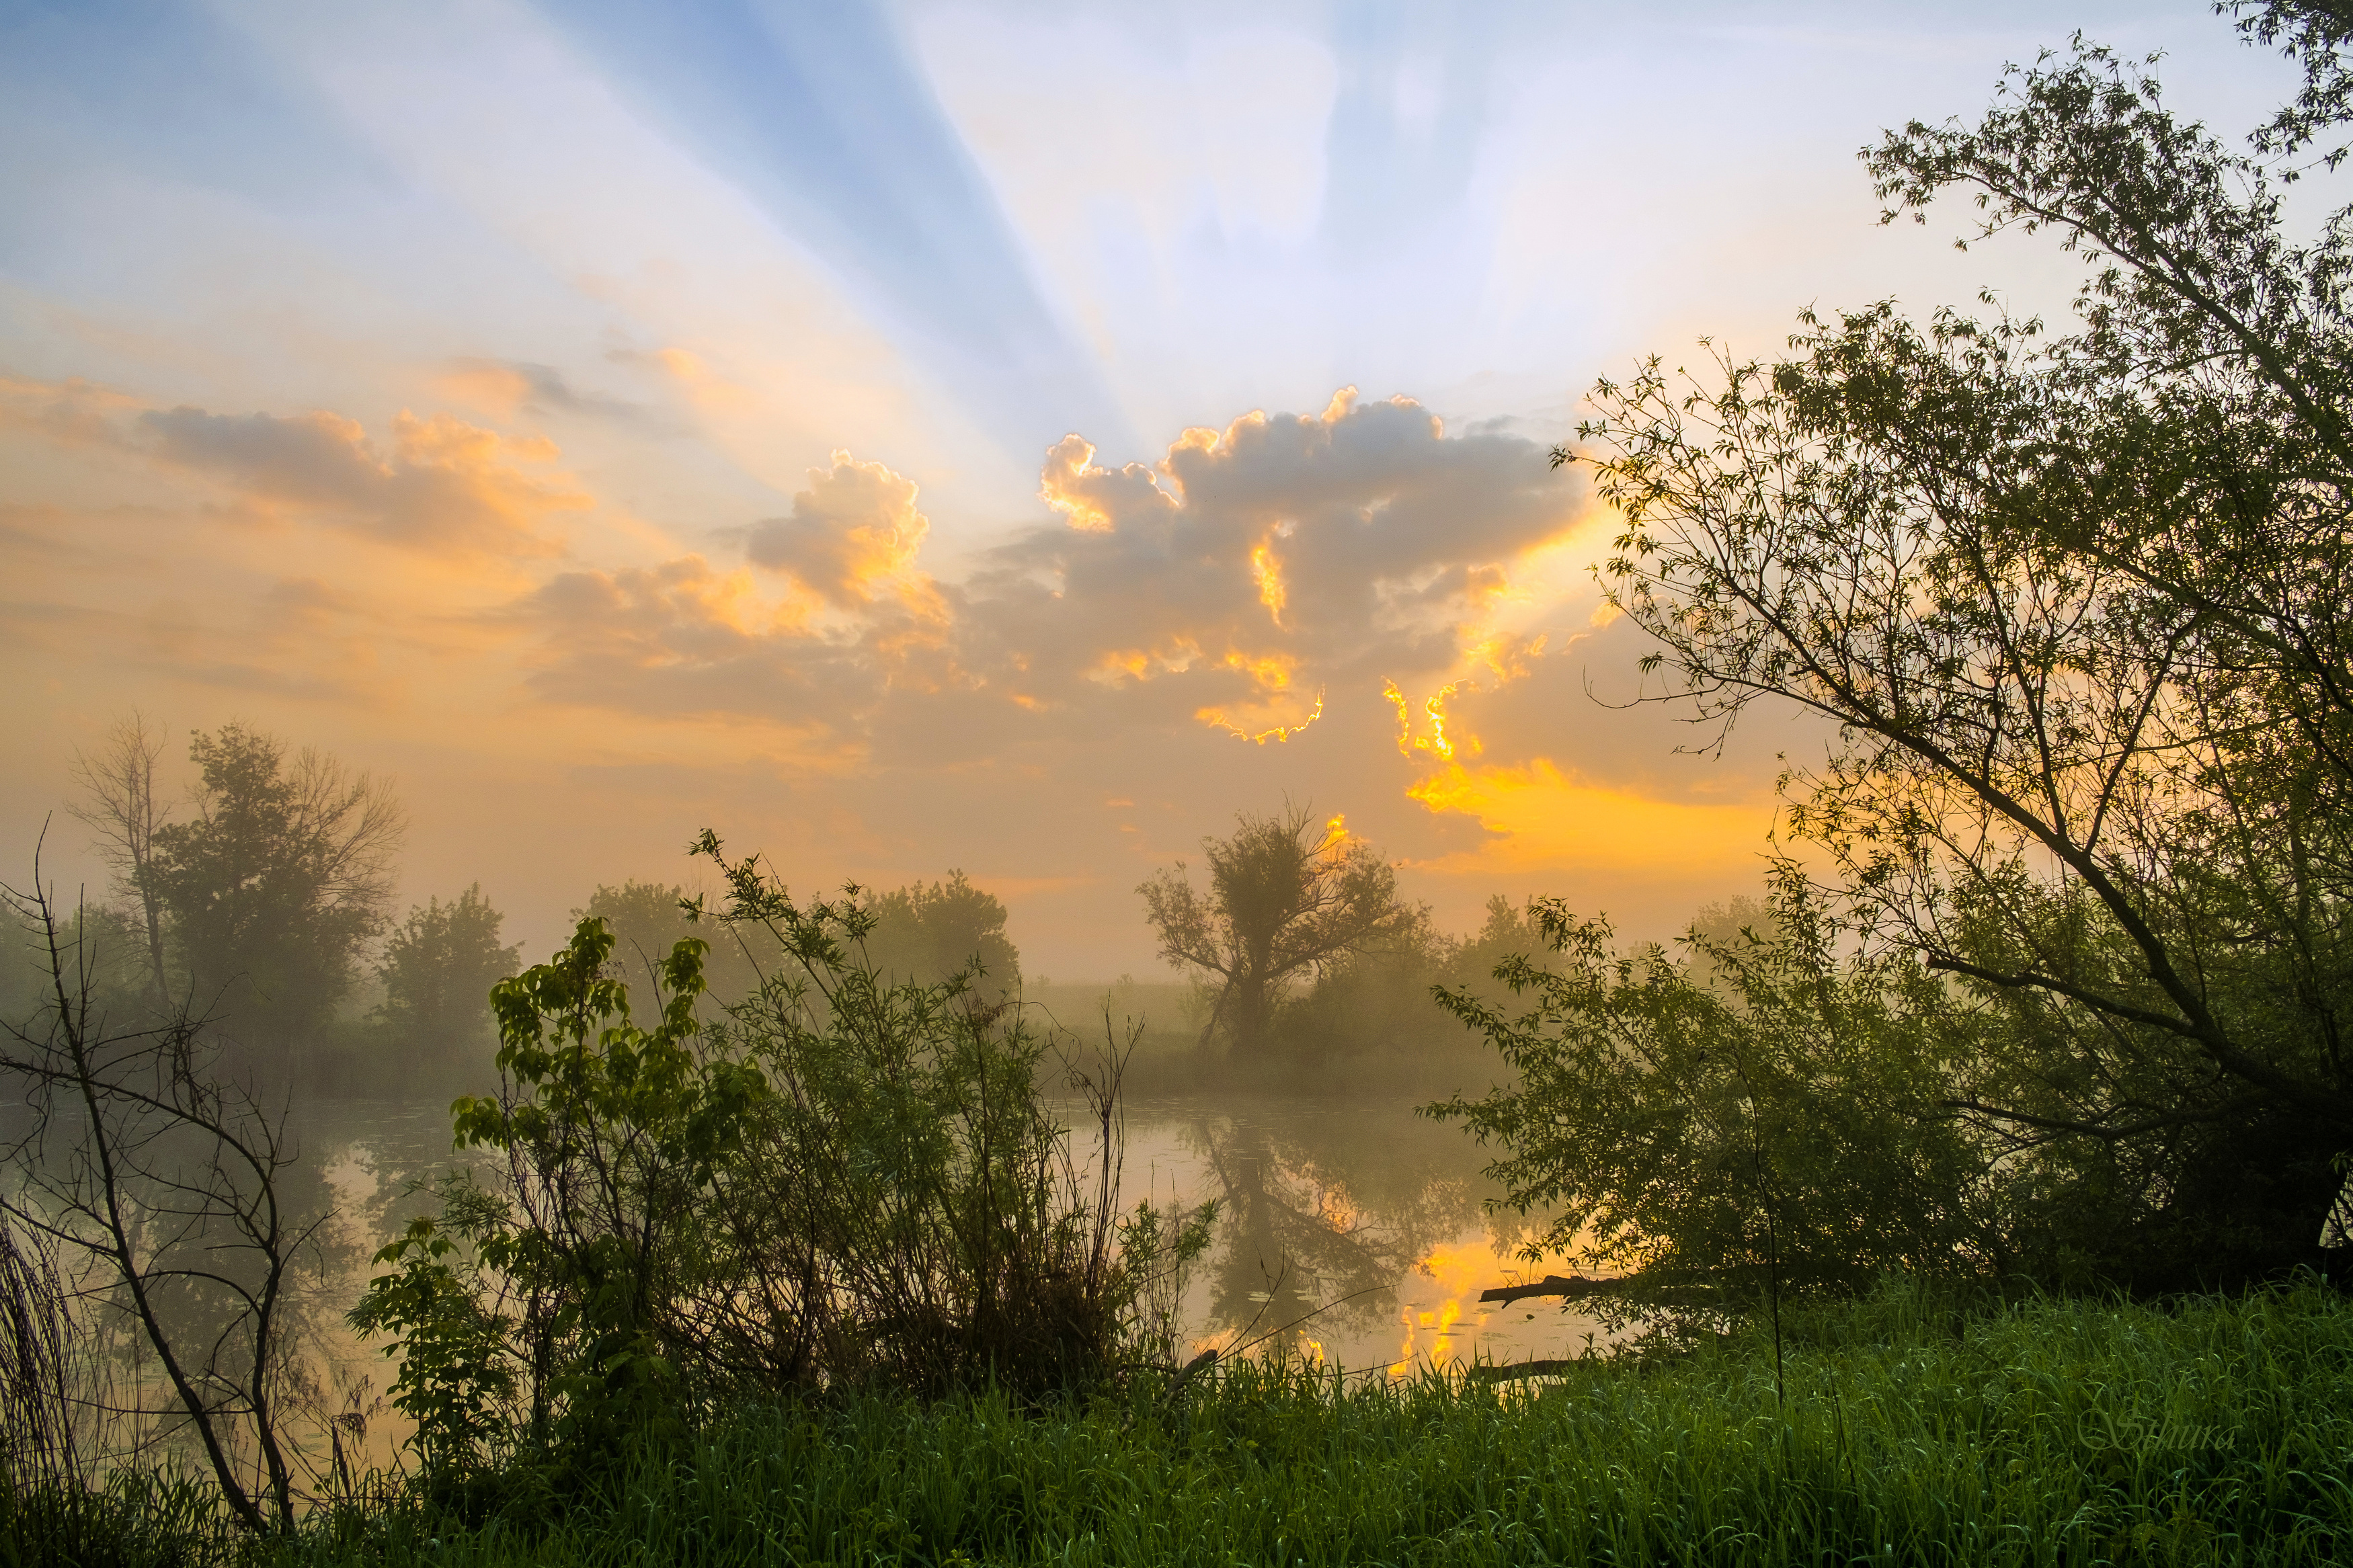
(1322, 1212)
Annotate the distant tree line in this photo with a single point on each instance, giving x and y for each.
(263, 902)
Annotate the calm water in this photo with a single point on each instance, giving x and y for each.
(1352, 1233)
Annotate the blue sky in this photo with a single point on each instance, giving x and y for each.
(613, 419)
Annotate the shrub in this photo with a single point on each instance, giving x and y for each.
(841, 1182)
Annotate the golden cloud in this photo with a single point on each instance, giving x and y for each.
(852, 541)
(1539, 816)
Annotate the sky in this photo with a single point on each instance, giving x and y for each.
(907, 436)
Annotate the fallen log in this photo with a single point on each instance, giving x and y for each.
(1570, 1286)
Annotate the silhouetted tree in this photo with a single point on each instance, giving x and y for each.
(274, 889)
(438, 970)
(1287, 897)
(117, 802)
(927, 931)
(2077, 602)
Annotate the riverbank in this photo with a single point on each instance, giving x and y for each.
(2053, 1431)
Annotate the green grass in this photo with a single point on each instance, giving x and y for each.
(2054, 1432)
(2062, 1431)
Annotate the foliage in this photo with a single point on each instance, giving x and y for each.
(1287, 898)
(110, 959)
(139, 1517)
(911, 1215)
(277, 885)
(844, 1182)
(1508, 932)
(2077, 604)
(1752, 1117)
(610, 1133)
(647, 921)
(2049, 1432)
(438, 970)
(458, 1372)
(1376, 998)
(930, 931)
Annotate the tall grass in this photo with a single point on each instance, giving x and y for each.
(2054, 1432)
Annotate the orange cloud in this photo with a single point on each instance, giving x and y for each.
(1241, 727)
(1269, 572)
(74, 411)
(1093, 499)
(1537, 816)
(443, 485)
(852, 541)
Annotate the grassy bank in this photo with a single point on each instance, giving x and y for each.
(2056, 1432)
(2053, 1432)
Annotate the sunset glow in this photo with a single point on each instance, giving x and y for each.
(626, 445)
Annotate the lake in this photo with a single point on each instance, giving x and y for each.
(1351, 1233)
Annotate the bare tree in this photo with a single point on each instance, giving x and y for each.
(1287, 896)
(118, 804)
(165, 1184)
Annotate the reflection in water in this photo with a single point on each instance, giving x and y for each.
(1352, 1234)
(1349, 1235)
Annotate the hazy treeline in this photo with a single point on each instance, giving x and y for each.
(262, 899)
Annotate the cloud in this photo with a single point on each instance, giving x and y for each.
(444, 485)
(73, 412)
(1230, 586)
(506, 387)
(1539, 816)
(1254, 568)
(851, 541)
(684, 639)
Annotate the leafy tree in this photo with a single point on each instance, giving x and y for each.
(649, 920)
(927, 931)
(2078, 602)
(438, 970)
(277, 886)
(1509, 931)
(1376, 998)
(1747, 1115)
(1287, 898)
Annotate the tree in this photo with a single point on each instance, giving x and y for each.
(2079, 606)
(649, 920)
(131, 1157)
(1747, 1115)
(1508, 932)
(118, 804)
(1374, 998)
(1287, 897)
(279, 882)
(438, 970)
(927, 931)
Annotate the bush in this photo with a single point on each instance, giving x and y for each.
(841, 1183)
